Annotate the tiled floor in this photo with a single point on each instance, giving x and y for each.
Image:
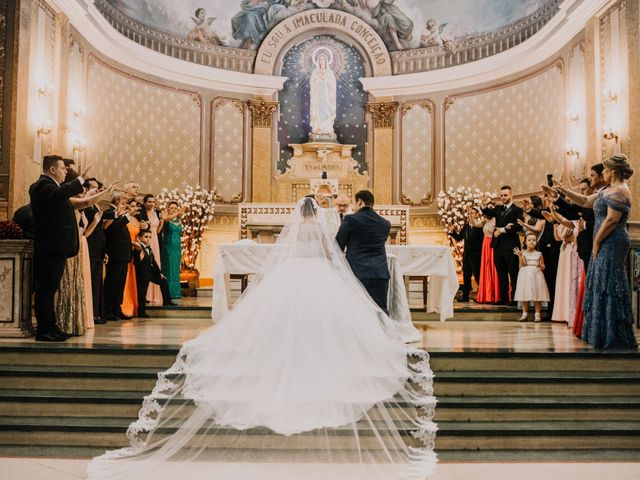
(51, 469)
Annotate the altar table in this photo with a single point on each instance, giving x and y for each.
(404, 260)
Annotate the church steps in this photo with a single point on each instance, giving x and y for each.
(555, 435)
(126, 404)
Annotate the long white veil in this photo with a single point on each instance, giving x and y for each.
(303, 378)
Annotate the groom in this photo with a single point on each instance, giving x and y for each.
(364, 234)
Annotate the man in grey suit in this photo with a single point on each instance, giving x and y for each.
(364, 234)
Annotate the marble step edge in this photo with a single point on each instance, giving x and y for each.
(129, 397)
(528, 428)
(444, 456)
(439, 377)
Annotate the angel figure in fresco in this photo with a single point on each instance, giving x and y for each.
(202, 31)
(394, 22)
(433, 36)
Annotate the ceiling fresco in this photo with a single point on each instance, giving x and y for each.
(403, 24)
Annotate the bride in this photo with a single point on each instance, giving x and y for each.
(305, 377)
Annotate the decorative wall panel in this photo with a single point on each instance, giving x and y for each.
(137, 130)
(417, 152)
(510, 134)
(576, 129)
(228, 149)
(613, 79)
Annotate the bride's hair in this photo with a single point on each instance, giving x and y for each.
(308, 208)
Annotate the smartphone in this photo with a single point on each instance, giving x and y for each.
(550, 179)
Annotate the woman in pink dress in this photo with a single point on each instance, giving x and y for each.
(155, 220)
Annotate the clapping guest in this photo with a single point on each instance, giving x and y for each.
(97, 255)
(608, 316)
(505, 239)
(155, 221)
(129, 306)
(118, 249)
(489, 286)
(472, 234)
(148, 270)
(56, 239)
(172, 248)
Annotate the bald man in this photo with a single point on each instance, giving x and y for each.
(343, 205)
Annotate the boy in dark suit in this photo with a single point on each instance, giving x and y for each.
(148, 271)
(364, 235)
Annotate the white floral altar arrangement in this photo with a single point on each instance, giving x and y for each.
(198, 204)
(453, 208)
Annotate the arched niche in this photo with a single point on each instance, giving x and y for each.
(322, 21)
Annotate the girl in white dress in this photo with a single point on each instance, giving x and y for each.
(531, 285)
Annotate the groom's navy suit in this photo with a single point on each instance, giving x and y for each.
(364, 234)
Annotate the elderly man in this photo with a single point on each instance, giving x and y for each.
(343, 205)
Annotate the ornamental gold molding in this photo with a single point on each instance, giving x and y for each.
(262, 112)
(408, 106)
(383, 113)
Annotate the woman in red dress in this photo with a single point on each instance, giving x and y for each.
(489, 288)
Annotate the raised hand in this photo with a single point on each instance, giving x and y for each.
(547, 216)
(517, 252)
(551, 192)
(86, 171)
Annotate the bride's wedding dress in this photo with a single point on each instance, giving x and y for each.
(304, 378)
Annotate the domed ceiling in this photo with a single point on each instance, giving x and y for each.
(440, 27)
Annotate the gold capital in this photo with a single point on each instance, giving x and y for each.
(261, 112)
(383, 113)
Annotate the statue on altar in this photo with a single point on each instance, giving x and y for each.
(322, 103)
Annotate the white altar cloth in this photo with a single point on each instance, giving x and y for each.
(415, 260)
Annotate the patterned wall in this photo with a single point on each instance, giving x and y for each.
(142, 131)
(228, 148)
(417, 152)
(512, 134)
(613, 78)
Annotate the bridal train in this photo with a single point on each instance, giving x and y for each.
(305, 377)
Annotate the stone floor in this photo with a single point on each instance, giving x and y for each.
(53, 469)
(450, 336)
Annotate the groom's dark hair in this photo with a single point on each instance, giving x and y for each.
(366, 196)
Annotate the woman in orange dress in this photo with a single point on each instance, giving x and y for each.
(130, 299)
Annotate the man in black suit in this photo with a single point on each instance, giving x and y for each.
(473, 237)
(56, 239)
(147, 270)
(364, 235)
(505, 239)
(118, 250)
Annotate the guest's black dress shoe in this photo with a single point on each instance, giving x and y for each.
(99, 321)
(51, 336)
(513, 304)
(112, 319)
(170, 304)
(464, 299)
(143, 315)
(61, 333)
(122, 316)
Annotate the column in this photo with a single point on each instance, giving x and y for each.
(633, 145)
(261, 170)
(384, 114)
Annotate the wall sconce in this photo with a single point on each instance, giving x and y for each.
(572, 153)
(609, 133)
(45, 90)
(573, 117)
(609, 95)
(44, 129)
(80, 111)
(79, 145)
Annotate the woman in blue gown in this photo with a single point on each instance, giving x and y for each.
(608, 322)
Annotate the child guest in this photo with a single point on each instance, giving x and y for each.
(148, 271)
(531, 286)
